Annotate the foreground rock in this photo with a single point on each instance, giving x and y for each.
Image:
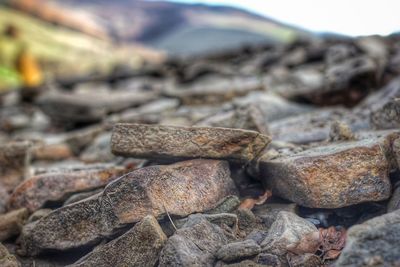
(35, 192)
(373, 243)
(286, 232)
(140, 246)
(6, 259)
(179, 189)
(333, 176)
(193, 245)
(170, 142)
(238, 250)
(11, 223)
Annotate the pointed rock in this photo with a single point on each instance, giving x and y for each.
(171, 142)
(139, 247)
(179, 189)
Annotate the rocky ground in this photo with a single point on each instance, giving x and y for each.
(265, 156)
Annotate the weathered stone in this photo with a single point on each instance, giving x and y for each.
(6, 259)
(80, 139)
(90, 106)
(4, 196)
(334, 175)
(245, 263)
(238, 250)
(269, 260)
(287, 230)
(268, 212)
(170, 142)
(394, 202)
(14, 158)
(340, 132)
(228, 204)
(12, 222)
(373, 243)
(99, 150)
(51, 152)
(140, 246)
(34, 192)
(248, 221)
(79, 196)
(305, 260)
(215, 91)
(387, 117)
(179, 189)
(38, 215)
(193, 245)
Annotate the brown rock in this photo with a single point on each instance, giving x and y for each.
(34, 192)
(179, 189)
(12, 222)
(170, 142)
(140, 247)
(6, 259)
(335, 175)
(14, 158)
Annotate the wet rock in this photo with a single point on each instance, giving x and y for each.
(311, 177)
(140, 246)
(373, 243)
(170, 142)
(193, 245)
(286, 231)
(6, 259)
(238, 250)
(12, 222)
(215, 91)
(36, 191)
(150, 190)
(14, 158)
(89, 106)
(387, 117)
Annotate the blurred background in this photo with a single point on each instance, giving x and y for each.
(47, 39)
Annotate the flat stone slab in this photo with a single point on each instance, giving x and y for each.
(140, 246)
(334, 175)
(36, 191)
(177, 143)
(179, 189)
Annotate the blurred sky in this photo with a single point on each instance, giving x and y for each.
(350, 17)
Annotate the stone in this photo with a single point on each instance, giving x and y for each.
(387, 117)
(140, 246)
(238, 250)
(6, 259)
(305, 260)
(98, 150)
(89, 106)
(269, 260)
(334, 175)
(227, 205)
(14, 160)
(36, 191)
(286, 231)
(12, 222)
(245, 263)
(375, 242)
(79, 196)
(51, 152)
(394, 202)
(179, 189)
(268, 212)
(177, 143)
(4, 196)
(193, 245)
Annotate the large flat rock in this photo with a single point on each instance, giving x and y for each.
(179, 189)
(333, 175)
(175, 143)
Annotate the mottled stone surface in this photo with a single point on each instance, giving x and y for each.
(193, 245)
(179, 189)
(34, 192)
(387, 117)
(14, 157)
(238, 250)
(6, 259)
(286, 231)
(334, 175)
(139, 247)
(12, 222)
(268, 212)
(171, 142)
(373, 243)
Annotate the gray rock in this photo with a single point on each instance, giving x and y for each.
(11, 223)
(286, 231)
(140, 246)
(176, 143)
(150, 190)
(394, 202)
(193, 245)
(310, 178)
(227, 205)
(387, 117)
(79, 196)
(269, 260)
(6, 259)
(374, 243)
(268, 212)
(238, 250)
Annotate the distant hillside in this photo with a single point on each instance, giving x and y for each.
(62, 50)
(174, 27)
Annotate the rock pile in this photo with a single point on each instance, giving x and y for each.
(265, 156)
